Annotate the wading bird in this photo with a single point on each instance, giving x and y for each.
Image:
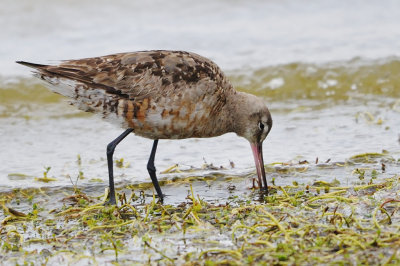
(161, 95)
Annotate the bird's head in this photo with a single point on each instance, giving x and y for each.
(253, 122)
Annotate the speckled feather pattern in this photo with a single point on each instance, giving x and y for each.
(160, 94)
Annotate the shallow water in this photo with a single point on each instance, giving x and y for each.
(49, 132)
(236, 34)
(329, 71)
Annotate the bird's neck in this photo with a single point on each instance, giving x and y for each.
(237, 103)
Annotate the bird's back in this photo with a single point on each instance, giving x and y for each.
(160, 94)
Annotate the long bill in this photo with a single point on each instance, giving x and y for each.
(258, 159)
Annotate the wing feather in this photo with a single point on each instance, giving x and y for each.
(143, 74)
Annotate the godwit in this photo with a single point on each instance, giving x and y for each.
(161, 95)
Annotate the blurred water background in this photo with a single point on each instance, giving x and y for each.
(328, 70)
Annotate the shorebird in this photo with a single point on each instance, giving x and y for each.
(161, 95)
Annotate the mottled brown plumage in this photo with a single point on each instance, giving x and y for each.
(162, 95)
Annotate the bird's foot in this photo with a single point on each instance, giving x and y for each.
(264, 190)
(109, 202)
(160, 198)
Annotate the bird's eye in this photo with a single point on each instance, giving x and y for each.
(261, 126)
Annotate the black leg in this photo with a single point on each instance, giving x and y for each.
(152, 170)
(110, 152)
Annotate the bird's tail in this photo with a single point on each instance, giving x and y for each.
(32, 65)
(58, 83)
(87, 97)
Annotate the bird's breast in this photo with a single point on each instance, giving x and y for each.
(169, 118)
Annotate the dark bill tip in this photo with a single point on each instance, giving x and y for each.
(259, 161)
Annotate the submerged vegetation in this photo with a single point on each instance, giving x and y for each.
(334, 80)
(317, 222)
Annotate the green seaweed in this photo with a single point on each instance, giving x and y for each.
(316, 223)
